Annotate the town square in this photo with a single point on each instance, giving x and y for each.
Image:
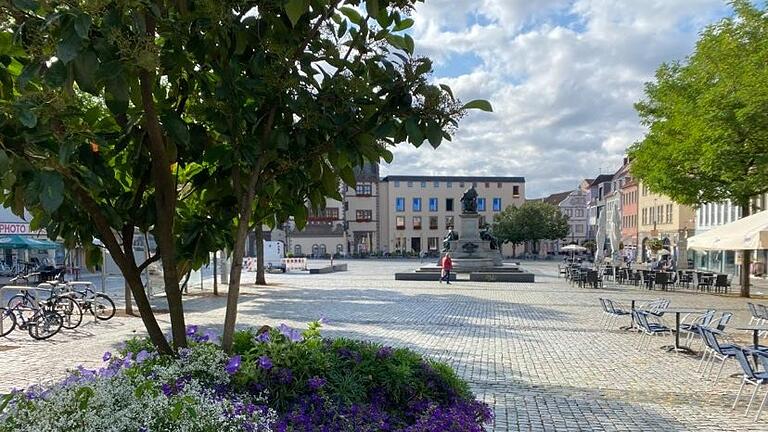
(383, 215)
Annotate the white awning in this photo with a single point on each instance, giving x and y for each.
(749, 233)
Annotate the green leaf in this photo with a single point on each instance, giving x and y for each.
(83, 25)
(70, 46)
(26, 4)
(347, 175)
(52, 192)
(352, 14)
(86, 66)
(387, 155)
(116, 95)
(409, 45)
(56, 74)
(403, 25)
(415, 136)
(9, 180)
(434, 135)
(447, 90)
(295, 9)
(372, 7)
(176, 128)
(300, 216)
(480, 104)
(28, 118)
(342, 29)
(4, 161)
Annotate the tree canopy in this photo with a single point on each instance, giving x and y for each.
(531, 222)
(706, 117)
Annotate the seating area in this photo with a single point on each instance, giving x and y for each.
(706, 333)
(649, 279)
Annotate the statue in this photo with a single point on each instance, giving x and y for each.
(485, 234)
(469, 201)
(450, 236)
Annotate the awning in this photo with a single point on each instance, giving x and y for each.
(25, 242)
(749, 233)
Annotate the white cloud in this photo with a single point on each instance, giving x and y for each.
(562, 76)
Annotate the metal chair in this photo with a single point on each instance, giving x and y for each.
(750, 377)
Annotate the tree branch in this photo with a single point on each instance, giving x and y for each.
(145, 264)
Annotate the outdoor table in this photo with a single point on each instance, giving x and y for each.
(631, 315)
(676, 347)
(756, 329)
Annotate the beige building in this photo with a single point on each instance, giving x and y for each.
(417, 211)
(661, 218)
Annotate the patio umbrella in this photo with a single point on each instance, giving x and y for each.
(664, 252)
(24, 242)
(573, 248)
(749, 233)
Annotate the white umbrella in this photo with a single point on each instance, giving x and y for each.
(573, 248)
(749, 233)
(664, 252)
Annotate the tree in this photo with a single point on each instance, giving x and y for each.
(314, 90)
(533, 221)
(706, 117)
(507, 229)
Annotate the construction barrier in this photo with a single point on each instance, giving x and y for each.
(295, 263)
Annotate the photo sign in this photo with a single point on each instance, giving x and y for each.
(14, 228)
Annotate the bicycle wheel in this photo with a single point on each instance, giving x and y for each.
(22, 306)
(70, 311)
(102, 307)
(7, 321)
(44, 325)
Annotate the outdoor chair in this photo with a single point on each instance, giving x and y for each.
(661, 279)
(716, 351)
(684, 279)
(751, 376)
(763, 311)
(691, 329)
(725, 318)
(607, 313)
(756, 317)
(703, 282)
(649, 329)
(616, 310)
(722, 283)
(637, 277)
(562, 270)
(594, 279)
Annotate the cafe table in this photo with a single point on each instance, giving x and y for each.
(677, 311)
(755, 329)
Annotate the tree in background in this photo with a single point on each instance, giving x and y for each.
(707, 139)
(531, 222)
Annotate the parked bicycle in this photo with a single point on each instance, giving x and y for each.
(98, 304)
(40, 322)
(70, 311)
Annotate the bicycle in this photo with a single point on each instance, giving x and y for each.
(70, 311)
(42, 324)
(99, 305)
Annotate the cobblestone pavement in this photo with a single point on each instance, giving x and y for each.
(535, 352)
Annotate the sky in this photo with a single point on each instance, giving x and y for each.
(562, 76)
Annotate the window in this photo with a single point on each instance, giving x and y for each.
(448, 184)
(433, 223)
(417, 222)
(579, 212)
(364, 189)
(297, 250)
(449, 204)
(400, 222)
(645, 216)
(397, 183)
(433, 204)
(487, 185)
(481, 204)
(578, 229)
(448, 222)
(669, 213)
(461, 184)
(515, 191)
(364, 215)
(498, 185)
(325, 215)
(417, 204)
(400, 204)
(474, 184)
(423, 184)
(436, 184)
(497, 204)
(432, 243)
(410, 184)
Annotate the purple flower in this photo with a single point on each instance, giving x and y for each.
(167, 389)
(107, 355)
(263, 337)
(265, 362)
(191, 330)
(142, 356)
(233, 365)
(293, 335)
(315, 383)
(284, 376)
(210, 335)
(384, 352)
(127, 360)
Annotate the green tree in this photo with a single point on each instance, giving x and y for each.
(507, 229)
(706, 117)
(531, 222)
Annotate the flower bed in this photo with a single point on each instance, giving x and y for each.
(278, 379)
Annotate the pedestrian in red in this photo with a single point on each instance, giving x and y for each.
(447, 264)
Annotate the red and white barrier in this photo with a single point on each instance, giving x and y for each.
(295, 263)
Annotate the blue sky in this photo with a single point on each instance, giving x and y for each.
(562, 75)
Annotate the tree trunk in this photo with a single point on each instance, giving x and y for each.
(215, 264)
(233, 292)
(746, 257)
(260, 280)
(128, 300)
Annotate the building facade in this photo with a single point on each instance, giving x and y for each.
(417, 211)
(572, 204)
(663, 219)
(629, 222)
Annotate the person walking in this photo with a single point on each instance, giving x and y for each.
(447, 264)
